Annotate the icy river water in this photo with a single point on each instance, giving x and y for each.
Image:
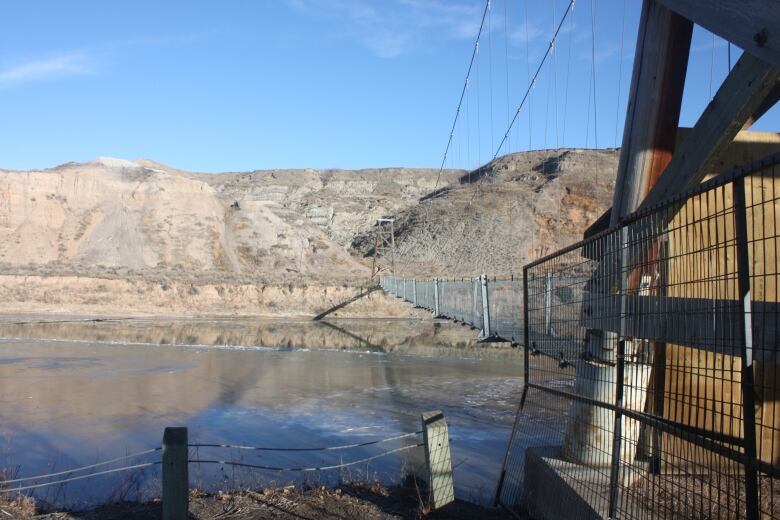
(75, 392)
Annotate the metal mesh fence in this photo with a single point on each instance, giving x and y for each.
(468, 301)
(651, 374)
(505, 301)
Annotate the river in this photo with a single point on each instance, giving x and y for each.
(76, 392)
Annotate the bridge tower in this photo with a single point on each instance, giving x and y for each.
(384, 247)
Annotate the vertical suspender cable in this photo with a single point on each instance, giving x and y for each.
(506, 61)
(712, 63)
(533, 80)
(555, 81)
(468, 135)
(479, 118)
(462, 95)
(528, 74)
(593, 69)
(490, 69)
(728, 54)
(566, 82)
(620, 71)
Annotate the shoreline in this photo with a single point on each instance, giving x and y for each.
(365, 500)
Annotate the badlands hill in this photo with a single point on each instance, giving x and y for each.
(115, 236)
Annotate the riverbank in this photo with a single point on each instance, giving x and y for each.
(141, 296)
(368, 501)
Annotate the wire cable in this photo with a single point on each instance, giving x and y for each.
(593, 69)
(533, 82)
(328, 448)
(462, 94)
(620, 71)
(506, 61)
(315, 468)
(80, 469)
(80, 477)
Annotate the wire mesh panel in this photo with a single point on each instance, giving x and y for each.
(505, 301)
(458, 301)
(425, 294)
(651, 364)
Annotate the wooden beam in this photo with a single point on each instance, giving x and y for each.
(743, 92)
(753, 25)
(653, 111)
(707, 324)
(771, 99)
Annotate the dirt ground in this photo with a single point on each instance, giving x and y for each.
(370, 502)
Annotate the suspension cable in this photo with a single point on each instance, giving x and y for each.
(462, 94)
(533, 81)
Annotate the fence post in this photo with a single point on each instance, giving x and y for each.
(436, 298)
(485, 307)
(548, 304)
(620, 366)
(745, 337)
(414, 292)
(175, 477)
(436, 441)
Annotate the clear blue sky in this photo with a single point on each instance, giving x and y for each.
(241, 85)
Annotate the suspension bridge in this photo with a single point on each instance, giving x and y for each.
(650, 374)
(651, 384)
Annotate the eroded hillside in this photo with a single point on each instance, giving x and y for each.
(509, 212)
(114, 236)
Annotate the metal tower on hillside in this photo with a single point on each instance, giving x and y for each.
(384, 247)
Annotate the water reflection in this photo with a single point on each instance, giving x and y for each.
(74, 393)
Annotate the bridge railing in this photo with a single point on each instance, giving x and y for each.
(493, 306)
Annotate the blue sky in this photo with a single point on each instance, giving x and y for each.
(240, 85)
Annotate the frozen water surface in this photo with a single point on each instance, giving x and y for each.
(78, 392)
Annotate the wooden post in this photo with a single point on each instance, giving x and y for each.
(175, 477)
(437, 458)
(653, 113)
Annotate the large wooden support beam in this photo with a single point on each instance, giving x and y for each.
(753, 25)
(653, 111)
(747, 87)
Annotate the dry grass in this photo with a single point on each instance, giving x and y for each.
(370, 501)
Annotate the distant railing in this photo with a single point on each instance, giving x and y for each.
(491, 305)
